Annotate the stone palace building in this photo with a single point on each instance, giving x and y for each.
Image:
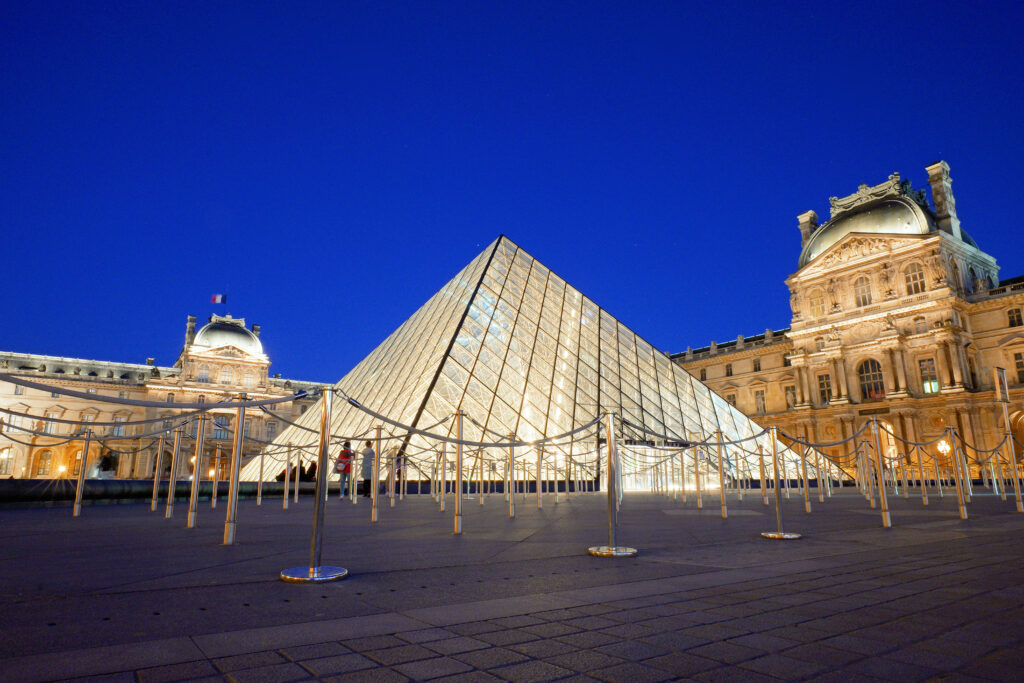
(223, 359)
(897, 315)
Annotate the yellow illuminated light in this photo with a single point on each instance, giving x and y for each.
(211, 473)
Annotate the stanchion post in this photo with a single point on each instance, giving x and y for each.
(287, 476)
(510, 489)
(216, 478)
(540, 461)
(156, 473)
(764, 483)
(779, 534)
(721, 476)
(944, 448)
(1013, 455)
(197, 472)
(315, 572)
(883, 498)
(818, 478)
(920, 473)
(612, 550)
(803, 467)
(80, 485)
(457, 529)
(172, 483)
(259, 482)
(375, 479)
(696, 477)
(231, 518)
(443, 486)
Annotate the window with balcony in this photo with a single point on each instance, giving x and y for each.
(824, 389)
(862, 291)
(929, 377)
(872, 384)
(914, 277)
(1013, 317)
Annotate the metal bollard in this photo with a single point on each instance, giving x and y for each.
(779, 534)
(612, 469)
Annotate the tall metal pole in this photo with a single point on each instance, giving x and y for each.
(156, 473)
(172, 483)
(197, 472)
(287, 476)
(458, 473)
(443, 486)
(721, 475)
(803, 465)
(540, 461)
(315, 572)
(779, 534)
(375, 483)
(231, 519)
(764, 483)
(80, 487)
(883, 498)
(612, 550)
(259, 484)
(510, 490)
(216, 478)
(1013, 458)
(696, 477)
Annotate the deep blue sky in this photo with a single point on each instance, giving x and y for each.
(329, 166)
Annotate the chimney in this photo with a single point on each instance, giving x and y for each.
(150, 361)
(256, 330)
(942, 198)
(808, 224)
(190, 330)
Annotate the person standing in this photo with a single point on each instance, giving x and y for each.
(368, 456)
(343, 466)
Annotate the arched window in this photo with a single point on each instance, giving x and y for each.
(862, 291)
(6, 461)
(170, 398)
(817, 303)
(872, 384)
(914, 276)
(43, 462)
(250, 379)
(958, 281)
(225, 376)
(204, 374)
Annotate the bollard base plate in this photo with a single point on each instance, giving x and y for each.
(313, 574)
(608, 551)
(780, 535)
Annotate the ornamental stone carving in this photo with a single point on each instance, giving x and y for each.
(851, 249)
(937, 267)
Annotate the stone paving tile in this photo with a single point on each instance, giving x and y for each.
(591, 623)
(765, 642)
(587, 639)
(372, 643)
(727, 652)
(674, 623)
(632, 650)
(781, 666)
(399, 655)
(491, 657)
(674, 641)
(890, 669)
(960, 648)
(530, 672)
(121, 677)
(369, 676)
(467, 677)
(472, 628)
(944, 661)
(249, 661)
(425, 635)
(540, 649)
(551, 629)
(338, 664)
(433, 668)
(800, 633)
(595, 610)
(630, 631)
(509, 637)
(517, 621)
(713, 632)
(833, 657)
(631, 672)
(584, 660)
(176, 672)
(277, 673)
(451, 646)
(314, 651)
(731, 673)
(864, 646)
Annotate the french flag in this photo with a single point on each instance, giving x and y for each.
(219, 299)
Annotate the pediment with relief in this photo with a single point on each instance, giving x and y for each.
(228, 352)
(852, 248)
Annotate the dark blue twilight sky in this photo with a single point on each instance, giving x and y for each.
(329, 166)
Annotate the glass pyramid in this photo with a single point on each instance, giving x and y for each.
(522, 353)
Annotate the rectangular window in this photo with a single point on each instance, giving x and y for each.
(824, 389)
(703, 378)
(786, 362)
(790, 397)
(50, 427)
(220, 429)
(929, 377)
(819, 343)
(1014, 317)
(757, 365)
(728, 369)
(731, 398)
(90, 390)
(118, 429)
(271, 430)
(122, 394)
(248, 424)
(1018, 359)
(759, 406)
(18, 390)
(54, 394)
(78, 464)
(6, 461)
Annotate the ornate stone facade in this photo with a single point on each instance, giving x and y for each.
(221, 360)
(897, 315)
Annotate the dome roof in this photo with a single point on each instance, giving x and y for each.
(219, 333)
(888, 216)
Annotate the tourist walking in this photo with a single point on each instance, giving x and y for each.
(368, 456)
(343, 466)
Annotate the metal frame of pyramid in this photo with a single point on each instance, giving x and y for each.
(524, 355)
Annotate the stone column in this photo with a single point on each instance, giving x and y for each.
(958, 374)
(901, 370)
(888, 374)
(841, 383)
(940, 356)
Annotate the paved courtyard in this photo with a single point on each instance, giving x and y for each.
(123, 594)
